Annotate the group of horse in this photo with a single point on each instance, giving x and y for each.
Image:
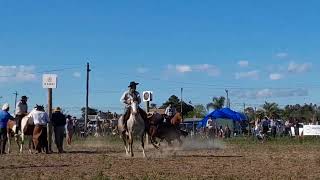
(154, 126)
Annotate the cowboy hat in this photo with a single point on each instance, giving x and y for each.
(5, 107)
(24, 98)
(132, 83)
(57, 109)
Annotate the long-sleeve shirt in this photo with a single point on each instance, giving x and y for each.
(39, 117)
(21, 108)
(4, 118)
(58, 119)
(127, 97)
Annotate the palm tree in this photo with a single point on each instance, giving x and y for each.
(250, 113)
(217, 103)
(272, 110)
(260, 114)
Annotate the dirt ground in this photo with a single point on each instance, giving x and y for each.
(104, 159)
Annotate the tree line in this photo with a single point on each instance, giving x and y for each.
(306, 113)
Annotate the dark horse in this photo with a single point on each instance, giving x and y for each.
(169, 131)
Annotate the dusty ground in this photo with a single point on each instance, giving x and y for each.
(104, 159)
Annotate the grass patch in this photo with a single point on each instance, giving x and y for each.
(101, 176)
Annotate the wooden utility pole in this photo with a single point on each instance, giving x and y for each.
(147, 110)
(87, 96)
(49, 81)
(147, 106)
(15, 101)
(181, 103)
(228, 100)
(50, 115)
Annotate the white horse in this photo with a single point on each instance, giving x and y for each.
(135, 127)
(26, 123)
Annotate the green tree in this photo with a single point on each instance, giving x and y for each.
(91, 111)
(260, 114)
(199, 111)
(153, 106)
(272, 110)
(217, 103)
(175, 101)
(250, 113)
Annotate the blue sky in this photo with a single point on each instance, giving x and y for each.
(258, 50)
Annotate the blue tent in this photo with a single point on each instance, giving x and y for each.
(224, 113)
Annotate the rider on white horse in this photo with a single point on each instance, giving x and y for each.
(21, 111)
(126, 100)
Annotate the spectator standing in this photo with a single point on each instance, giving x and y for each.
(273, 125)
(4, 118)
(41, 120)
(58, 123)
(70, 129)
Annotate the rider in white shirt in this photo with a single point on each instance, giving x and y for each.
(126, 100)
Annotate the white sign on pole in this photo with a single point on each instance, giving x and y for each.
(311, 130)
(147, 96)
(49, 81)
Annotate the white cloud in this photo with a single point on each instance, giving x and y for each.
(243, 63)
(275, 76)
(17, 73)
(183, 68)
(142, 70)
(282, 55)
(264, 93)
(248, 75)
(299, 68)
(77, 74)
(269, 93)
(211, 70)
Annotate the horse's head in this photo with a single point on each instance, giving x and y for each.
(39, 107)
(134, 105)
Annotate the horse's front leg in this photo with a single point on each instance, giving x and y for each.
(131, 143)
(125, 142)
(155, 143)
(21, 142)
(30, 145)
(180, 141)
(153, 139)
(9, 142)
(142, 145)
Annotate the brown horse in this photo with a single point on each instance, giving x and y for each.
(176, 120)
(156, 128)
